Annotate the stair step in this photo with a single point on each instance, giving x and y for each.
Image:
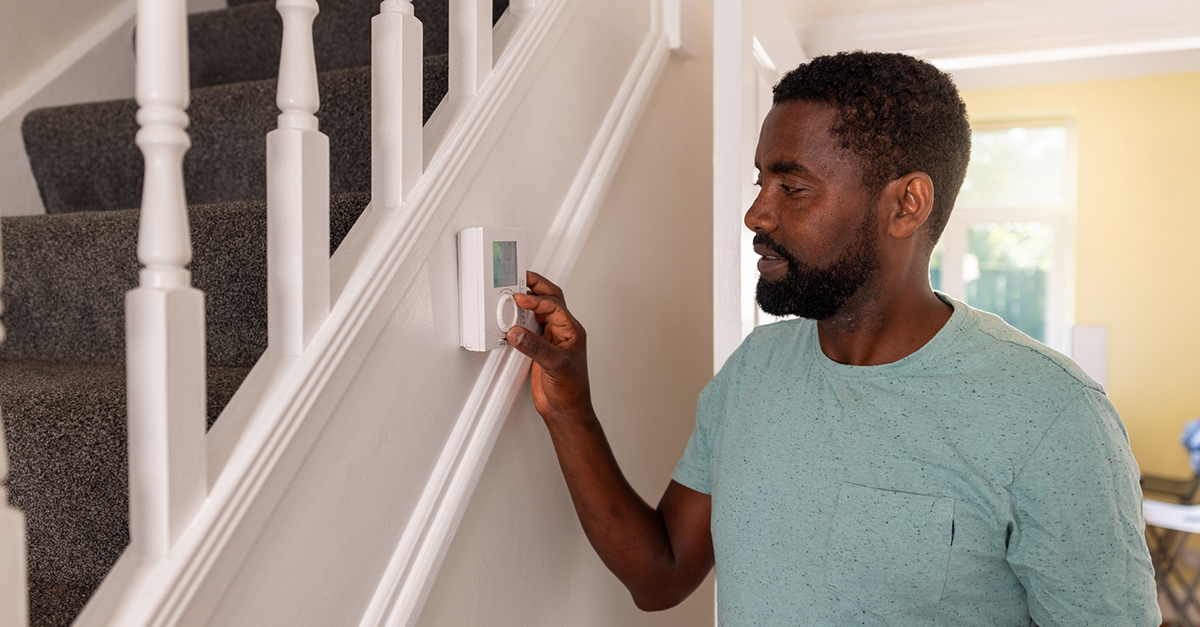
(241, 43)
(66, 277)
(54, 604)
(65, 424)
(84, 157)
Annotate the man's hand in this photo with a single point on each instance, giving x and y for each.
(560, 378)
(661, 554)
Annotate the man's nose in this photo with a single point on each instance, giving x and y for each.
(761, 217)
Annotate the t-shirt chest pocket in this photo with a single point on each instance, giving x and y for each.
(889, 550)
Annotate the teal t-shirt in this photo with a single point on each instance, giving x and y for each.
(982, 480)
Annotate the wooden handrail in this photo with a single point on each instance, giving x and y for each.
(164, 315)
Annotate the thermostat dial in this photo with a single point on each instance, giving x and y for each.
(507, 312)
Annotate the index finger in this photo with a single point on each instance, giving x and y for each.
(542, 286)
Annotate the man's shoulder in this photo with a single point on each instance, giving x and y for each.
(998, 348)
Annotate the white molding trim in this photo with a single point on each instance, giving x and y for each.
(414, 565)
(18, 96)
(975, 39)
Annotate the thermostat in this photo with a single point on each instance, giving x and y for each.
(491, 268)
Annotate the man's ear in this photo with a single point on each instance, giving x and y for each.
(910, 198)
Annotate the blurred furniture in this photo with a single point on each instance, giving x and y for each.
(1169, 523)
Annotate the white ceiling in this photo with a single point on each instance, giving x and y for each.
(992, 43)
(800, 10)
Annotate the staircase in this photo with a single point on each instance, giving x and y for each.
(62, 378)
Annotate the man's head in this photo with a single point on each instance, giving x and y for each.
(897, 113)
(849, 159)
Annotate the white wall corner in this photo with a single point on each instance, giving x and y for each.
(1089, 349)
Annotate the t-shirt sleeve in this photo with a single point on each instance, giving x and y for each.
(1078, 545)
(695, 469)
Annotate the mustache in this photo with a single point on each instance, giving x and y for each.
(764, 240)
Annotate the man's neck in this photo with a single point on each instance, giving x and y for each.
(881, 325)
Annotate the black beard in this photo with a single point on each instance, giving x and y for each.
(817, 293)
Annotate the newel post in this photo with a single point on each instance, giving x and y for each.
(397, 102)
(470, 46)
(297, 193)
(164, 315)
(14, 604)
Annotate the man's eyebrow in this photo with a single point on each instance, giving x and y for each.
(787, 167)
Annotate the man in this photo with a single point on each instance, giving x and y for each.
(893, 457)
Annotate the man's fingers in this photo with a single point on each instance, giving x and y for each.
(545, 354)
(551, 313)
(539, 284)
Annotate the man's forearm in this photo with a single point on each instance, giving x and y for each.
(630, 537)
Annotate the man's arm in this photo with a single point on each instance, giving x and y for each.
(662, 554)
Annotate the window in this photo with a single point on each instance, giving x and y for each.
(1008, 245)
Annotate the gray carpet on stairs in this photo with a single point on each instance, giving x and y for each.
(65, 427)
(84, 156)
(54, 604)
(66, 277)
(242, 43)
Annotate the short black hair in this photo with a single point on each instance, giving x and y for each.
(897, 113)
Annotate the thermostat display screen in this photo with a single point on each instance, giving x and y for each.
(504, 264)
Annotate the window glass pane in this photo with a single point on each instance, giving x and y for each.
(1006, 269)
(1016, 167)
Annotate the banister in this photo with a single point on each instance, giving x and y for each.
(164, 315)
(397, 88)
(470, 46)
(297, 193)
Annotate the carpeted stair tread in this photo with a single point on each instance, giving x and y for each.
(65, 425)
(85, 159)
(242, 43)
(56, 605)
(66, 277)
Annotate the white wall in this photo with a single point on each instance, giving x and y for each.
(85, 55)
(643, 289)
(33, 31)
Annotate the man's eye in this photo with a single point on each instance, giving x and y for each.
(788, 189)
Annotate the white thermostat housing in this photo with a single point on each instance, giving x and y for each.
(491, 268)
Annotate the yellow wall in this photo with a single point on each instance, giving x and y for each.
(1137, 250)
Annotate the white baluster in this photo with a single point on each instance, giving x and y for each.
(470, 46)
(164, 315)
(14, 608)
(297, 193)
(397, 103)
